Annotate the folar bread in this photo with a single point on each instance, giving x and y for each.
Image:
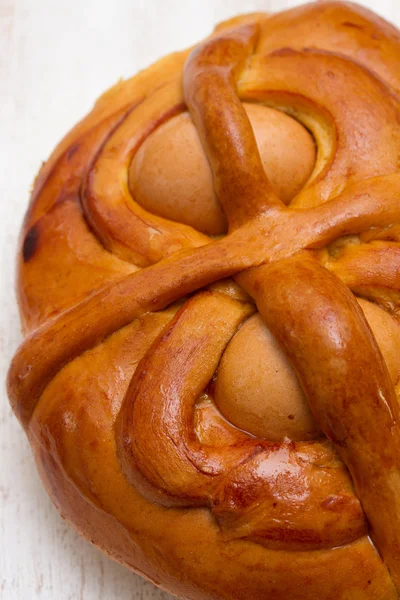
(209, 286)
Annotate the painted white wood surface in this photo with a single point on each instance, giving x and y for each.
(56, 57)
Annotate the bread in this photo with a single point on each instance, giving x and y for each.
(209, 286)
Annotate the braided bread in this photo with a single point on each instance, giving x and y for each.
(209, 285)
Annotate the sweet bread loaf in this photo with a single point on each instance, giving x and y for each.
(209, 286)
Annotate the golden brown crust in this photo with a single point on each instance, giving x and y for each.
(181, 188)
(141, 382)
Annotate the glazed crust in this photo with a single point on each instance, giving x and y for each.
(208, 281)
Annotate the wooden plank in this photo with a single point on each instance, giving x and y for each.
(56, 57)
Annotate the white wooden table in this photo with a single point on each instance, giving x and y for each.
(56, 57)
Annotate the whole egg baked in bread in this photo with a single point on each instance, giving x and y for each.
(209, 288)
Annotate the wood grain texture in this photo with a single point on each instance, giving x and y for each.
(55, 59)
